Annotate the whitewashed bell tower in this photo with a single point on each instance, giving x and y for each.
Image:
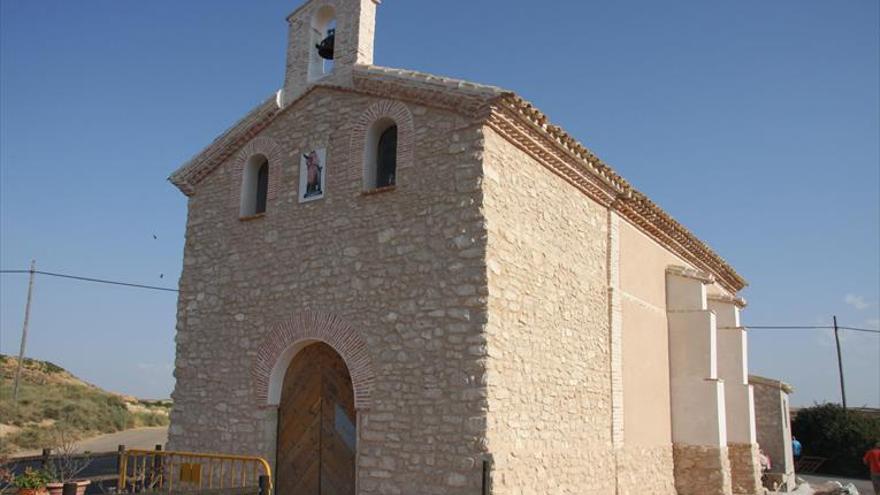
(344, 27)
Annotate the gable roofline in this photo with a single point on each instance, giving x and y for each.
(456, 95)
(514, 118)
(188, 175)
(528, 128)
(770, 382)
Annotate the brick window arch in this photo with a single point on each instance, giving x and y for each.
(246, 177)
(290, 336)
(372, 138)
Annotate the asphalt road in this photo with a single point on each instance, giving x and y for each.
(135, 438)
(106, 465)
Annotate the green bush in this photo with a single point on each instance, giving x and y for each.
(140, 419)
(842, 437)
(31, 479)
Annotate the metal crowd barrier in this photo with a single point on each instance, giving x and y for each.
(145, 471)
(808, 464)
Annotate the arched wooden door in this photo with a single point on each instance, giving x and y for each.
(316, 426)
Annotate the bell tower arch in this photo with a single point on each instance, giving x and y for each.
(326, 39)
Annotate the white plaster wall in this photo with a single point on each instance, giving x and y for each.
(692, 346)
(685, 294)
(732, 355)
(697, 396)
(739, 400)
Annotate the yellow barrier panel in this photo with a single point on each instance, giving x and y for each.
(166, 471)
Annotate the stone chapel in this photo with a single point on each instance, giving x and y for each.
(400, 283)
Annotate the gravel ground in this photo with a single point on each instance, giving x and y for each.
(864, 486)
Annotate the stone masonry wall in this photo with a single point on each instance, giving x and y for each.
(745, 469)
(774, 432)
(645, 470)
(549, 380)
(405, 268)
(701, 470)
(479, 285)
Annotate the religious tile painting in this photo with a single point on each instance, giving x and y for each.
(312, 175)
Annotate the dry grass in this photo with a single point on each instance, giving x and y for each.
(51, 398)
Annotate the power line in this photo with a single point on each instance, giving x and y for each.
(808, 327)
(90, 279)
(836, 328)
(167, 289)
(788, 327)
(859, 329)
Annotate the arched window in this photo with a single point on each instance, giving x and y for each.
(380, 155)
(255, 186)
(262, 187)
(386, 157)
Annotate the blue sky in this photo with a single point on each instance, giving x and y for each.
(754, 123)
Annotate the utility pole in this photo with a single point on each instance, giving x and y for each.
(839, 364)
(24, 329)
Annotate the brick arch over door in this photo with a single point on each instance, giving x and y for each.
(400, 114)
(257, 146)
(290, 336)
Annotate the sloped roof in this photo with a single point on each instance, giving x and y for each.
(513, 117)
(770, 382)
(198, 167)
(461, 88)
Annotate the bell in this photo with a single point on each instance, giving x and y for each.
(325, 47)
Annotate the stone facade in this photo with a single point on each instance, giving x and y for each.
(505, 305)
(548, 368)
(409, 275)
(702, 470)
(643, 470)
(745, 468)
